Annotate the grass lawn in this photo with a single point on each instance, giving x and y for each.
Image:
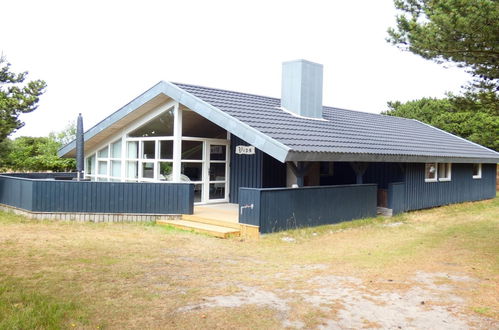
(416, 269)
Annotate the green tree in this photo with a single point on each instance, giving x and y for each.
(16, 97)
(66, 135)
(465, 32)
(36, 154)
(472, 116)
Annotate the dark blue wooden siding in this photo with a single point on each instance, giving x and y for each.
(245, 170)
(273, 173)
(383, 174)
(462, 187)
(97, 197)
(277, 209)
(396, 197)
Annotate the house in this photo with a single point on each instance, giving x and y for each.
(224, 141)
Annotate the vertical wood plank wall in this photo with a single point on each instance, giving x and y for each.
(245, 170)
(462, 187)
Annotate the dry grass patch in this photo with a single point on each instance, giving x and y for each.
(142, 275)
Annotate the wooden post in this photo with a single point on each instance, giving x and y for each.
(359, 169)
(300, 170)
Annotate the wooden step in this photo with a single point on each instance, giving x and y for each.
(210, 221)
(209, 229)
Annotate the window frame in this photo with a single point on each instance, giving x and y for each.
(479, 175)
(435, 179)
(449, 172)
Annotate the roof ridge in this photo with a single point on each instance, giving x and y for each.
(225, 90)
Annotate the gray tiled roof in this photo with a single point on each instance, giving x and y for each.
(343, 131)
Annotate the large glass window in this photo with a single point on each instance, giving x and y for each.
(161, 125)
(195, 125)
(147, 152)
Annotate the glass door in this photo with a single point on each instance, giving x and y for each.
(216, 187)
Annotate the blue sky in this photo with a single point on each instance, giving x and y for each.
(96, 56)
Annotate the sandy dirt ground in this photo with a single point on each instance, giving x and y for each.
(422, 302)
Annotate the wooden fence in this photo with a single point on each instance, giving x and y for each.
(277, 209)
(49, 195)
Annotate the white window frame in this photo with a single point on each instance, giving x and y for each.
(435, 179)
(449, 172)
(176, 159)
(479, 175)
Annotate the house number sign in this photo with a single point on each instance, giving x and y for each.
(245, 150)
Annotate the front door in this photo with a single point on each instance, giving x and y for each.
(217, 170)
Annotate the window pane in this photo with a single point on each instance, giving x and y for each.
(116, 149)
(116, 168)
(132, 170)
(148, 149)
(90, 164)
(165, 171)
(193, 171)
(430, 171)
(442, 170)
(133, 150)
(104, 153)
(102, 168)
(217, 171)
(159, 126)
(166, 149)
(195, 125)
(217, 152)
(217, 190)
(192, 150)
(477, 170)
(148, 170)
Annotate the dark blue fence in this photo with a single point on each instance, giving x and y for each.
(45, 195)
(277, 209)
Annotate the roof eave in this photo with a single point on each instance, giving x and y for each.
(234, 126)
(363, 157)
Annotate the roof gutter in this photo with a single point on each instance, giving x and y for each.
(363, 157)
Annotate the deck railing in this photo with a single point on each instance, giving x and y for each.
(277, 209)
(45, 195)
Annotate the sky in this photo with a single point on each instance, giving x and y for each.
(96, 56)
